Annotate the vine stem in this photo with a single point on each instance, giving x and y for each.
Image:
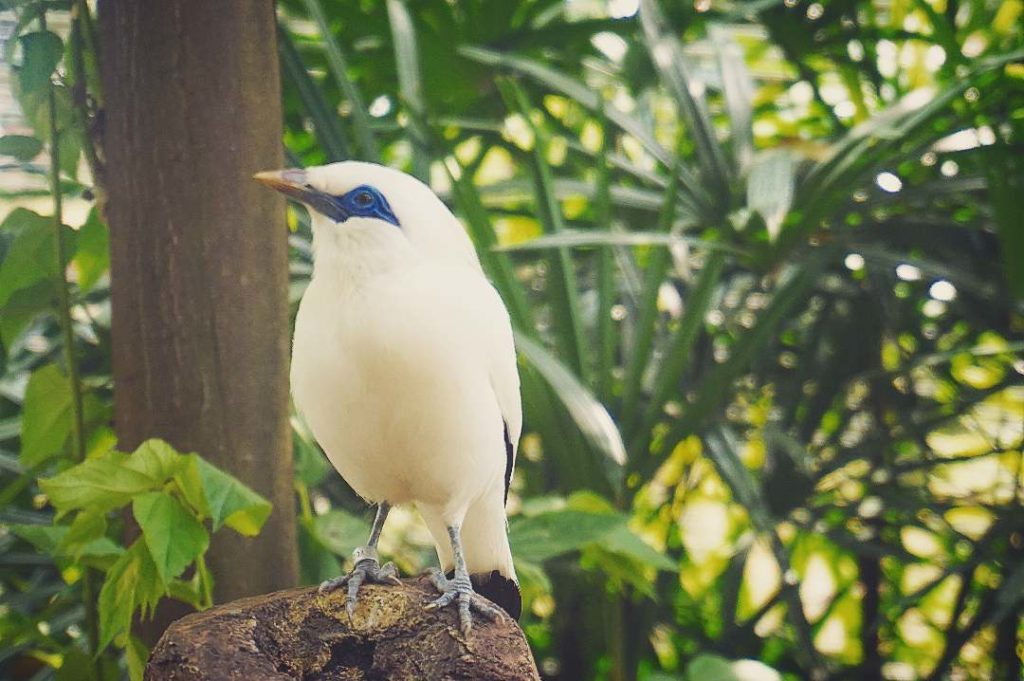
(80, 43)
(71, 366)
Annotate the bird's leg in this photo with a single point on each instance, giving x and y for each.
(459, 589)
(367, 568)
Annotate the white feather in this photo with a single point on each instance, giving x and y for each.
(403, 363)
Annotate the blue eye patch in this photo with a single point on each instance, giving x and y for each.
(364, 201)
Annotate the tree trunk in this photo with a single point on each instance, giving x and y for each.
(300, 634)
(199, 263)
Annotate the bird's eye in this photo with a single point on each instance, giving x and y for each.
(363, 199)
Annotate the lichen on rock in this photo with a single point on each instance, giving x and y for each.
(303, 634)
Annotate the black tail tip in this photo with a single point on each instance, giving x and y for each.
(500, 590)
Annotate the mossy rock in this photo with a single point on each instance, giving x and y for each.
(302, 634)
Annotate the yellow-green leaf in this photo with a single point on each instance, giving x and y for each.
(172, 534)
(230, 502)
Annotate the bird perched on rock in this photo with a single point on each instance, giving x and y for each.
(404, 368)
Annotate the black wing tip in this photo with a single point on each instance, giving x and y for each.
(510, 458)
(500, 590)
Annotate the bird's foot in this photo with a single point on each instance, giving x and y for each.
(459, 590)
(367, 570)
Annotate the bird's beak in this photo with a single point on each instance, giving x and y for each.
(294, 183)
(290, 182)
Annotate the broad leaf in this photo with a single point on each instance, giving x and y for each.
(31, 257)
(46, 416)
(92, 255)
(21, 147)
(133, 581)
(173, 535)
(85, 528)
(155, 459)
(548, 535)
(625, 542)
(339, 531)
(22, 307)
(41, 52)
(230, 502)
(101, 484)
(710, 668)
(45, 538)
(135, 655)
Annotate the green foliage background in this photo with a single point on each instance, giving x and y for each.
(765, 264)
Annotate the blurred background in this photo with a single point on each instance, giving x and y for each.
(765, 263)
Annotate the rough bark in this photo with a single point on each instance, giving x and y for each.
(199, 268)
(300, 634)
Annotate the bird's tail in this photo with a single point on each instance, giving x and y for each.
(487, 552)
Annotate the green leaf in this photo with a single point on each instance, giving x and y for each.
(101, 484)
(156, 459)
(339, 69)
(410, 81)
(738, 92)
(92, 255)
(1005, 171)
(87, 527)
(46, 416)
(563, 289)
(521, 190)
(882, 137)
(22, 307)
(710, 668)
(135, 657)
(316, 562)
(190, 484)
(607, 292)
(715, 388)
(230, 502)
(42, 52)
(339, 531)
(21, 147)
(498, 269)
(329, 132)
(593, 420)
(69, 140)
(31, 256)
(578, 239)
(678, 75)
(591, 98)
(646, 326)
(548, 535)
(744, 488)
(625, 542)
(173, 535)
(770, 188)
(53, 541)
(677, 355)
(311, 466)
(132, 582)
(45, 538)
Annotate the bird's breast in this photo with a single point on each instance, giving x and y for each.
(394, 390)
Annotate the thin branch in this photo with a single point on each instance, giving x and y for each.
(71, 365)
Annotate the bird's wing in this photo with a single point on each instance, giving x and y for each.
(505, 380)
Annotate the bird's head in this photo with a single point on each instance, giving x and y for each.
(368, 210)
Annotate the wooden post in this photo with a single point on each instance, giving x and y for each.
(199, 263)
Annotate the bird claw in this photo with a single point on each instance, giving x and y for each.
(366, 571)
(459, 590)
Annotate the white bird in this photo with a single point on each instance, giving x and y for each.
(403, 366)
